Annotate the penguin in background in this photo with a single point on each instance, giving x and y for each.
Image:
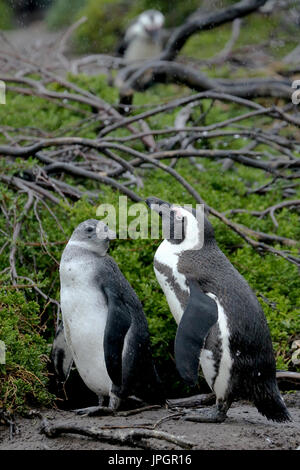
(144, 37)
(143, 40)
(221, 324)
(104, 329)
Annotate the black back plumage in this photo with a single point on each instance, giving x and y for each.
(251, 367)
(253, 373)
(138, 374)
(61, 355)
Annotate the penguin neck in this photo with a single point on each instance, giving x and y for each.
(168, 252)
(193, 242)
(84, 246)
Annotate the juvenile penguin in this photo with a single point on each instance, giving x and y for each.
(221, 325)
(143, 38)
(104, 324)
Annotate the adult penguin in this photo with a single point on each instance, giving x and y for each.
(221, 325)
(104, 325)
(144, 37)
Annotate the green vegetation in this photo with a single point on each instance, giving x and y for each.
(27, 321)
(256, 29)
(102, 30)
(63, 13)
(23, 379)
(5, 15)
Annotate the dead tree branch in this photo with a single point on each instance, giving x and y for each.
(58, 155)
(225, 52)
(16, 234)
(202, 23)
(270, 210)
(64, 40)
(133, 438)
(136, 77)
(174, 72)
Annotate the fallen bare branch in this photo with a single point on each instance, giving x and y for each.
(65, 38)
(225, 52)
(173, 72)
(289, 376)
(132, 438)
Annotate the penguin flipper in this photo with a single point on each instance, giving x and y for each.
(117, 324)
(199, 316)
(121, 47)
(61, 355)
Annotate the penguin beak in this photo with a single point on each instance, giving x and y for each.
(111, 235)
(105, 233)
(153, 33)
(158, 205)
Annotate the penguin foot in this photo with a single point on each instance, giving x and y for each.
(114, 402)
(95, 411)
(206, 415)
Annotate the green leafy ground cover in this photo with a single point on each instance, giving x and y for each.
(6, 15)
(27, 322)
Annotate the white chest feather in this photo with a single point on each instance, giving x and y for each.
(218, 379)
(167, 255)
(141, 49)
(208, 367)
(223, 378)
(84, 312)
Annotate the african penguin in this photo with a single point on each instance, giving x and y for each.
(143, 38)
(221, 325)
(104, 325)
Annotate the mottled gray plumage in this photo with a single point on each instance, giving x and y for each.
(181, 294)
(104, 323)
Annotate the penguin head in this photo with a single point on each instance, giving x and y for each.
(182, 225)
(152, 21)
(93, 235)
(148, 24)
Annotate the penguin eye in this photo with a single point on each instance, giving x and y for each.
(89, 229)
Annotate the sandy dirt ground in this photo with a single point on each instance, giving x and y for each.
(35, 44)
(244, 429)
(34, 35)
